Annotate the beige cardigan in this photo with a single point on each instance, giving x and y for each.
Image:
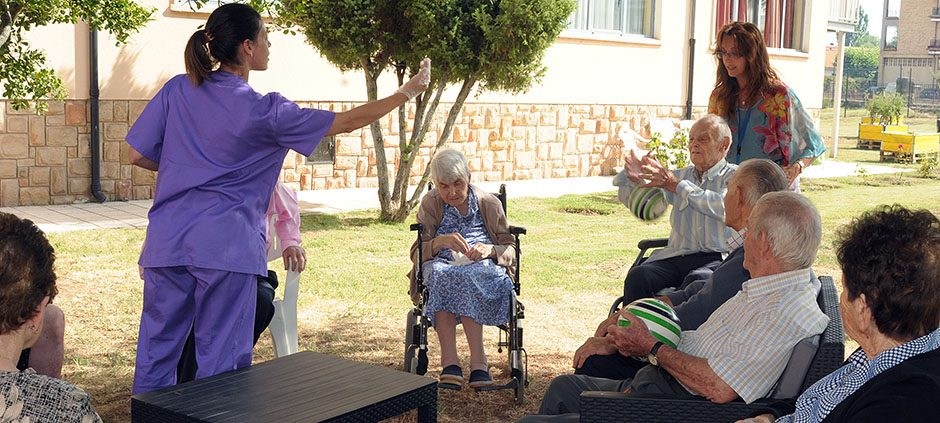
(430, 214)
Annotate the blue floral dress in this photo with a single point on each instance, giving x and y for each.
(478, 290)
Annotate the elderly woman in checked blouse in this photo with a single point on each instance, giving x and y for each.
(27, 285)
(890, 305)
(467, 252)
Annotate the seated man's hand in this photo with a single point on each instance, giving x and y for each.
(595, 345)
(479, 251)
(657, 175)
(634, 340)
(633, 165)
(453, 241)
(610, 320)
(295, 258)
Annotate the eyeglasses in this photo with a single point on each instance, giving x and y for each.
(724, 54)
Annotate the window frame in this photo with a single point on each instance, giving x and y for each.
(590, 32)
(324, 153)
(884, 41)
(787, 32)
(185, 6)
(888, 10)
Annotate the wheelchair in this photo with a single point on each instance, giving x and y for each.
(510, 335)
(646, 246)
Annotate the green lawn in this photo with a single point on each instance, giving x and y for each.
(353, 297)
(849, 120)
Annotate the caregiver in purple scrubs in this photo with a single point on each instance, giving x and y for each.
(219, 146)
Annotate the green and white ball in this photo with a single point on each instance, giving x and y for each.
(661, 320)
(648, 203)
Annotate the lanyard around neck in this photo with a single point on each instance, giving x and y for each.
(742, 126)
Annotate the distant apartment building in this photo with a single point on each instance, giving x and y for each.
(910, 44)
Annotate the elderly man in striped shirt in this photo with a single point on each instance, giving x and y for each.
(698, 236)
(743, 347)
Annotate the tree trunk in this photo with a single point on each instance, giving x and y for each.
(372, 76)
(406, 207)
(409, 150)
(8, 14)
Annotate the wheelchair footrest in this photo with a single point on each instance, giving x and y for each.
(511, 385)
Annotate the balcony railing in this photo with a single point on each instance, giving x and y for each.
(933, 47)
(935, 14)
(843, 14)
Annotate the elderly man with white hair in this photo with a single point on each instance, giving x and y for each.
(743, 347)
(699, 236)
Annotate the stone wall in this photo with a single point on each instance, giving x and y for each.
(46, 159)
(502, 142)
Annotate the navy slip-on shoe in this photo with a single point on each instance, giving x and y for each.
(480, 378)
(451, 375)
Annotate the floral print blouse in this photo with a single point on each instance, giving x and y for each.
(776, 128)
(26, 397)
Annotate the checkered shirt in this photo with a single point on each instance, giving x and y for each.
(821, 398)
(736, 239)
(748, 340)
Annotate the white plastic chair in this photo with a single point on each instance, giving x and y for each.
(283, 327)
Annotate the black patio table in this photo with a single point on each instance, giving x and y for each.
(302, 387)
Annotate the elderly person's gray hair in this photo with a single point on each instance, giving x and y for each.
(757, 177)
(792, 226)
(449, 165)
(719, 127)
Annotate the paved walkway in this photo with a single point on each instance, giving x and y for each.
(133, 214)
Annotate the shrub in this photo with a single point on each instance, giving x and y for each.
(928, 166)
(886, 106)
(673, 154)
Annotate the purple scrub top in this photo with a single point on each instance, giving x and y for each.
(220, 149)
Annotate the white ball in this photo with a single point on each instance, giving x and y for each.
(648, 203)
(661, 320)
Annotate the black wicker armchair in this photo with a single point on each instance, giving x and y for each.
(641, 408)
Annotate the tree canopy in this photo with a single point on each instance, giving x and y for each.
(494, 45)
(861, 63)
(861, 37)
(24, 73)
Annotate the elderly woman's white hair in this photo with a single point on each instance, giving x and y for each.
(449, 165)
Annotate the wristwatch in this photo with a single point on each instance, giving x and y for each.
(802, 166)
(654, 360)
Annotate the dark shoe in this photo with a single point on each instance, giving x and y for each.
(480, 378)
(451, 377)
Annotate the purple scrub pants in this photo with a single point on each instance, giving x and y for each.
(219, 306)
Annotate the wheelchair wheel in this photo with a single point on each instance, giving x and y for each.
(416, 354)
(517, 358)
(518, 373)
(411, 347)
(411, 359)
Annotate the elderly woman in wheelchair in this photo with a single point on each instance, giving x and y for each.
(467, 253)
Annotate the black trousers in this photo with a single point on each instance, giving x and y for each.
(186, 369)
(561, 403)
(647, 279)
(613, 366)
